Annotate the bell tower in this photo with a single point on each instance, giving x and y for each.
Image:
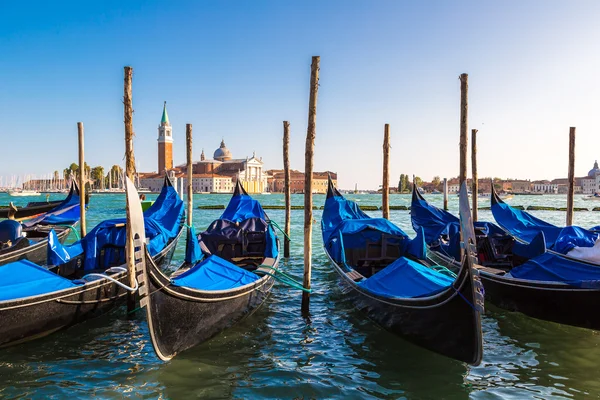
(165, 142)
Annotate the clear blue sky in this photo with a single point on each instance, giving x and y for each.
(237, 69)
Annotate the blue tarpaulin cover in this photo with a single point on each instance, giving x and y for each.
(345, 225)
(406, 278)
(162, 223)
(554, 268)
(193, 254)
(59, 254)
(243, 214)
(66, 213)
(23, 278)
(525, 227)
(436, 223)
(214, 273)
(242, 207)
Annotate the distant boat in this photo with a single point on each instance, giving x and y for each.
(594, 196)
(23, 193)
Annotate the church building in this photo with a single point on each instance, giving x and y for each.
(165, 143)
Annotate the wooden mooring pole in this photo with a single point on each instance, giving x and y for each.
(445, 194)
(81, 180)
(130, 172)
(308, 171)
(286, 187)
(190, 172)
(571, 192)
(474, 183)
(385, 187)
(464, 140)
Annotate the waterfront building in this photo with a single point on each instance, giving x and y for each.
(249, 170)
(591, 183)
(545, 187)
(319, 181)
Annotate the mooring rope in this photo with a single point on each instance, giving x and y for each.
(281, 230)
(284, 278)
(72, 227)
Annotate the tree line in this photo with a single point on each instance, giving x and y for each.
(95, 176)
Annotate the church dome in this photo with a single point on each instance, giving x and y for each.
(222, 153)
(594, 171)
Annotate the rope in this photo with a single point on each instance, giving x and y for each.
(443, 270)
(72, 227)
(285, 279)
(281, 230)
(465, 299)
(113, 280)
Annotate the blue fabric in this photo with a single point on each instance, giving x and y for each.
(214, 273)
(244, 213)
(406, 278)
(193, 254)
(554, 268)
(525, 227)
(573, 236)
(242, 207)
(24, 279)
(10, 230)
(162, 223)
(66, 213)
(355, 233)
(536, 248)
(58, 253)
(417, 247)
(338, 209)
(437, 223)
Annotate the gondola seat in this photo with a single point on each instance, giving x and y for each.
(230, 240)
(11, 236)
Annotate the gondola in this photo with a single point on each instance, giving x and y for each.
(387, 276)
(516, 276)
(208, 294)
(34, 208)
(572, 241)
(28, 240)
(104, 246)
(36, 301)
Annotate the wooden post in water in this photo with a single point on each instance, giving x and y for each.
(474, 183)
(190, 172)
(81, 180)
(286, 187)
(571, 192)
(445, 194)
(385, 187)
(464, 140)
(308, 171)
(129, 171)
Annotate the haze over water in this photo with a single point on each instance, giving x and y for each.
(336, 353)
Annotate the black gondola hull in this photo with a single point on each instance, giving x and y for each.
(34, 317)
(180, 318)
(550, 302)
(547, 301)
(448, 324)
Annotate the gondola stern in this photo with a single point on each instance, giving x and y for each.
(494, 198)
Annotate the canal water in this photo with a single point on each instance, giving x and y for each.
(334, 353)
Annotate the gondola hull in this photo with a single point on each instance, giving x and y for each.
(37, 252)
(30, 210)
(548, 301)
(180, 318)
(37, 316)
(448, 323)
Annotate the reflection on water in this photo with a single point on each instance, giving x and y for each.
(277, 353)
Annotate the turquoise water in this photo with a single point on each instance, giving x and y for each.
(335, 353)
